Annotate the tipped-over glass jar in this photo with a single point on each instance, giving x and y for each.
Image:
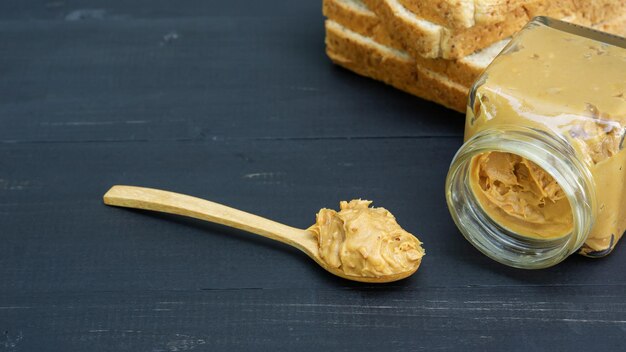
(542, 172)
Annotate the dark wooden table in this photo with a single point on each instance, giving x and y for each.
(235, 101)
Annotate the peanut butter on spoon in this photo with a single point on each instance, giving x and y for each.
(357, 243)
(366, 242)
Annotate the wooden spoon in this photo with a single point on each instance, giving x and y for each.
(179, 204)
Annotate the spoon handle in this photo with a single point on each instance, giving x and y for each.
(180, 204)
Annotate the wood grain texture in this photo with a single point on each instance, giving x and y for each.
(364, 318)
(239, 105)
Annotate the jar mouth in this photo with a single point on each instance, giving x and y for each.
(489, 236)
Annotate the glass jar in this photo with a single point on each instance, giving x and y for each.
(541, 174)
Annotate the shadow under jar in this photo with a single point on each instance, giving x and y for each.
(542, 171)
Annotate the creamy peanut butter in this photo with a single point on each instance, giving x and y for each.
(521, 196)
(366, 242)
(572, 88)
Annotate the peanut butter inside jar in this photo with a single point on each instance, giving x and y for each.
(542, 172)
(520, 196)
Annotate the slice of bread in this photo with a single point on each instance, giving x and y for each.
(355, 15)
(464, 13)
(466, 69)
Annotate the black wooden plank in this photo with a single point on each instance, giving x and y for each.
(389, 319)
(125, 9)
(113, 80)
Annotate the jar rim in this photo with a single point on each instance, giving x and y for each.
(555, 157)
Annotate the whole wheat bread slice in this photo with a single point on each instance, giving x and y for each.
(464, 13)
(354, 14)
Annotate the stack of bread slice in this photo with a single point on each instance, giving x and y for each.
(435, 49)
